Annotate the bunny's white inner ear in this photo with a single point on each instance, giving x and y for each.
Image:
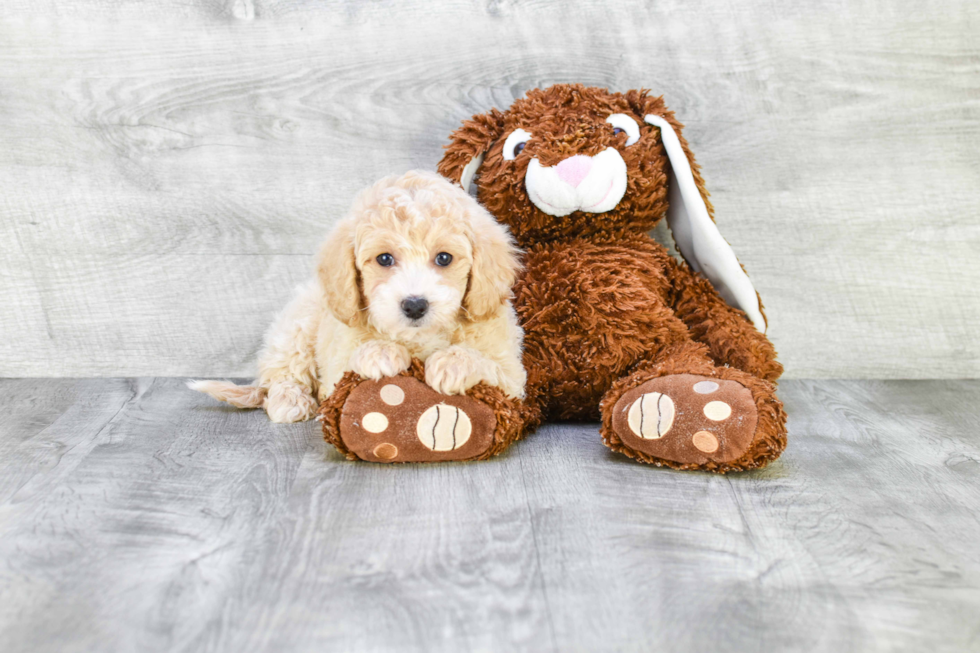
(697, 237)
(466, 177)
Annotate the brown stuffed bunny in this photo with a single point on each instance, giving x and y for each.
(671, 357)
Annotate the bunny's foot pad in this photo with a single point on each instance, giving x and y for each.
(687, 419)
(401, 419)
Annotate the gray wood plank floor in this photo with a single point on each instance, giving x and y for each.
(136, 515)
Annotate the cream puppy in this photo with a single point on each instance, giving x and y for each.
(417, 269)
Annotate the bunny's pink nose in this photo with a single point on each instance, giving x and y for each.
(574, 169)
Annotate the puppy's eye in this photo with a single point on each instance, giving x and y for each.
(443, 259)
(385, 260)
(515, 143)
(622, 123)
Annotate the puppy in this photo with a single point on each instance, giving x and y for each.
(417, 269)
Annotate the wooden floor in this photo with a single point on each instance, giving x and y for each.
(138, 516)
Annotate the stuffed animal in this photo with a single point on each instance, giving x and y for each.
(670, 356)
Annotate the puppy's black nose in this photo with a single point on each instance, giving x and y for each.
(414, 307)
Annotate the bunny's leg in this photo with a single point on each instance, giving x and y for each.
(729, 335)
(401, 419)
(683, 411)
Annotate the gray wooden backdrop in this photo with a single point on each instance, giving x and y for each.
(168, 167)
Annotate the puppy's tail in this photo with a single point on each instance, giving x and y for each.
(239, 396)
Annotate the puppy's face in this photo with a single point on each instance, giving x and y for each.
(416, 256)
(414, 277)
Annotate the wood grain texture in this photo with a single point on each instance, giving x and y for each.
(137, 515)
(168, 168)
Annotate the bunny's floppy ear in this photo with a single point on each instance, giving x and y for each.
(697, 237)
(468, 145)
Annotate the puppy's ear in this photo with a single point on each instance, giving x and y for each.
(495, 264)
(338, 274)
(690, 215)
(468, 145)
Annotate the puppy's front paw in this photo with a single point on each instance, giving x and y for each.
(377, 359)
(455, 370)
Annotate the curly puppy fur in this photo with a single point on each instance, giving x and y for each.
(390, 250)
(603, 306)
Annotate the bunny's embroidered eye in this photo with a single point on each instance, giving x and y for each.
(515, 144)
(623, 123)
(385, 260)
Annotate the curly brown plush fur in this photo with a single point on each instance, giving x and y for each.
(604, 307)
